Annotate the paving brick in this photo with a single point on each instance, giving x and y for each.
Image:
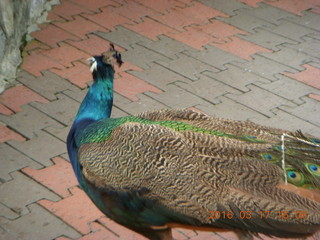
(143, 57)
(291, 57)
(187, 66)
(98, 232)
(94, 45)
(176, 97)
(37, 62)
(16, 96)
(41, 148)
(315, 96)
(122, 232)
(76, 94)
(47, 85)
(247, 48)
(192, 36)
(309, 19)
(7, 134)
(246, 21)
(291, 30)
(80, 27)
(95, 5)
(68, 9)
(149, 28)
(265, 67)
(236, 78)
(176, 19)
(284, 120)
(21, 191)
(267, 39)
(12, 160)
(267, 13)
(289, 88)
(134, 11)
(162, 6)
(214, 56)
(252, 3)
(8, 214)
(125, 42)
(62, 110)
(77, 210)
(264, 101)
(58, 177)
(28, 121)
(227, 7)
(145, 103)
(107, 18)
(309, 111)
(294, 6)
(59, 132)
(35, 45)
(65, 54)
(38, 224)
(309, 46)
(160, 76)
(230, 109)
(78, 74)
(208, 88)
(51, 35)
(4, 110)
(129, 86)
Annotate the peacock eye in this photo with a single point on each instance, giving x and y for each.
(295, 177)
(313, 168)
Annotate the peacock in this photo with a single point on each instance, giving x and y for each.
(178, 167)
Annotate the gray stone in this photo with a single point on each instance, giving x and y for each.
(38, 224)
(260, 100)
(21, 191)
(17, 20)
(236, 77)
(12, 160)
(28, 121)
(309, 20)
(309, 46)
(225, 6)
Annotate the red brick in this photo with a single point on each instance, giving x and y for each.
(77, 210)
(124, 232)
(80, 27)
(220, 30)
(176, 19)
(34, 45)
(134, 11)
(4, 110)
(108, 18)
(150, 28)
(309, 76)
(68, 9)
(58, 177)
(315, 96)
(51, 35)
(161, 6)
(99, 233)
(7, 134)
(37, 62)
(93, 45)
(294, 6)
(240, 47)
(96, 4)
(16, 96)
(65, 54)
(193, 36)
(202, 12)
(79, 74)
(252, 3)
(129, 86)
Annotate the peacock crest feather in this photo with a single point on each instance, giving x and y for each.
(168, 167)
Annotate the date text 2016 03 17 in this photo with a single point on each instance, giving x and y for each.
(261, 214)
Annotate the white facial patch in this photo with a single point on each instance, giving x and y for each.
(93, 64)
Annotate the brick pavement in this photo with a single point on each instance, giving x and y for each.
(240, 59)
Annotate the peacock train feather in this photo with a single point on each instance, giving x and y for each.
(167, 168)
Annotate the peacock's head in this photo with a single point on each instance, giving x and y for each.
(105, 62)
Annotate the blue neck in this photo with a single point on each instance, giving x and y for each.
(97, 104)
